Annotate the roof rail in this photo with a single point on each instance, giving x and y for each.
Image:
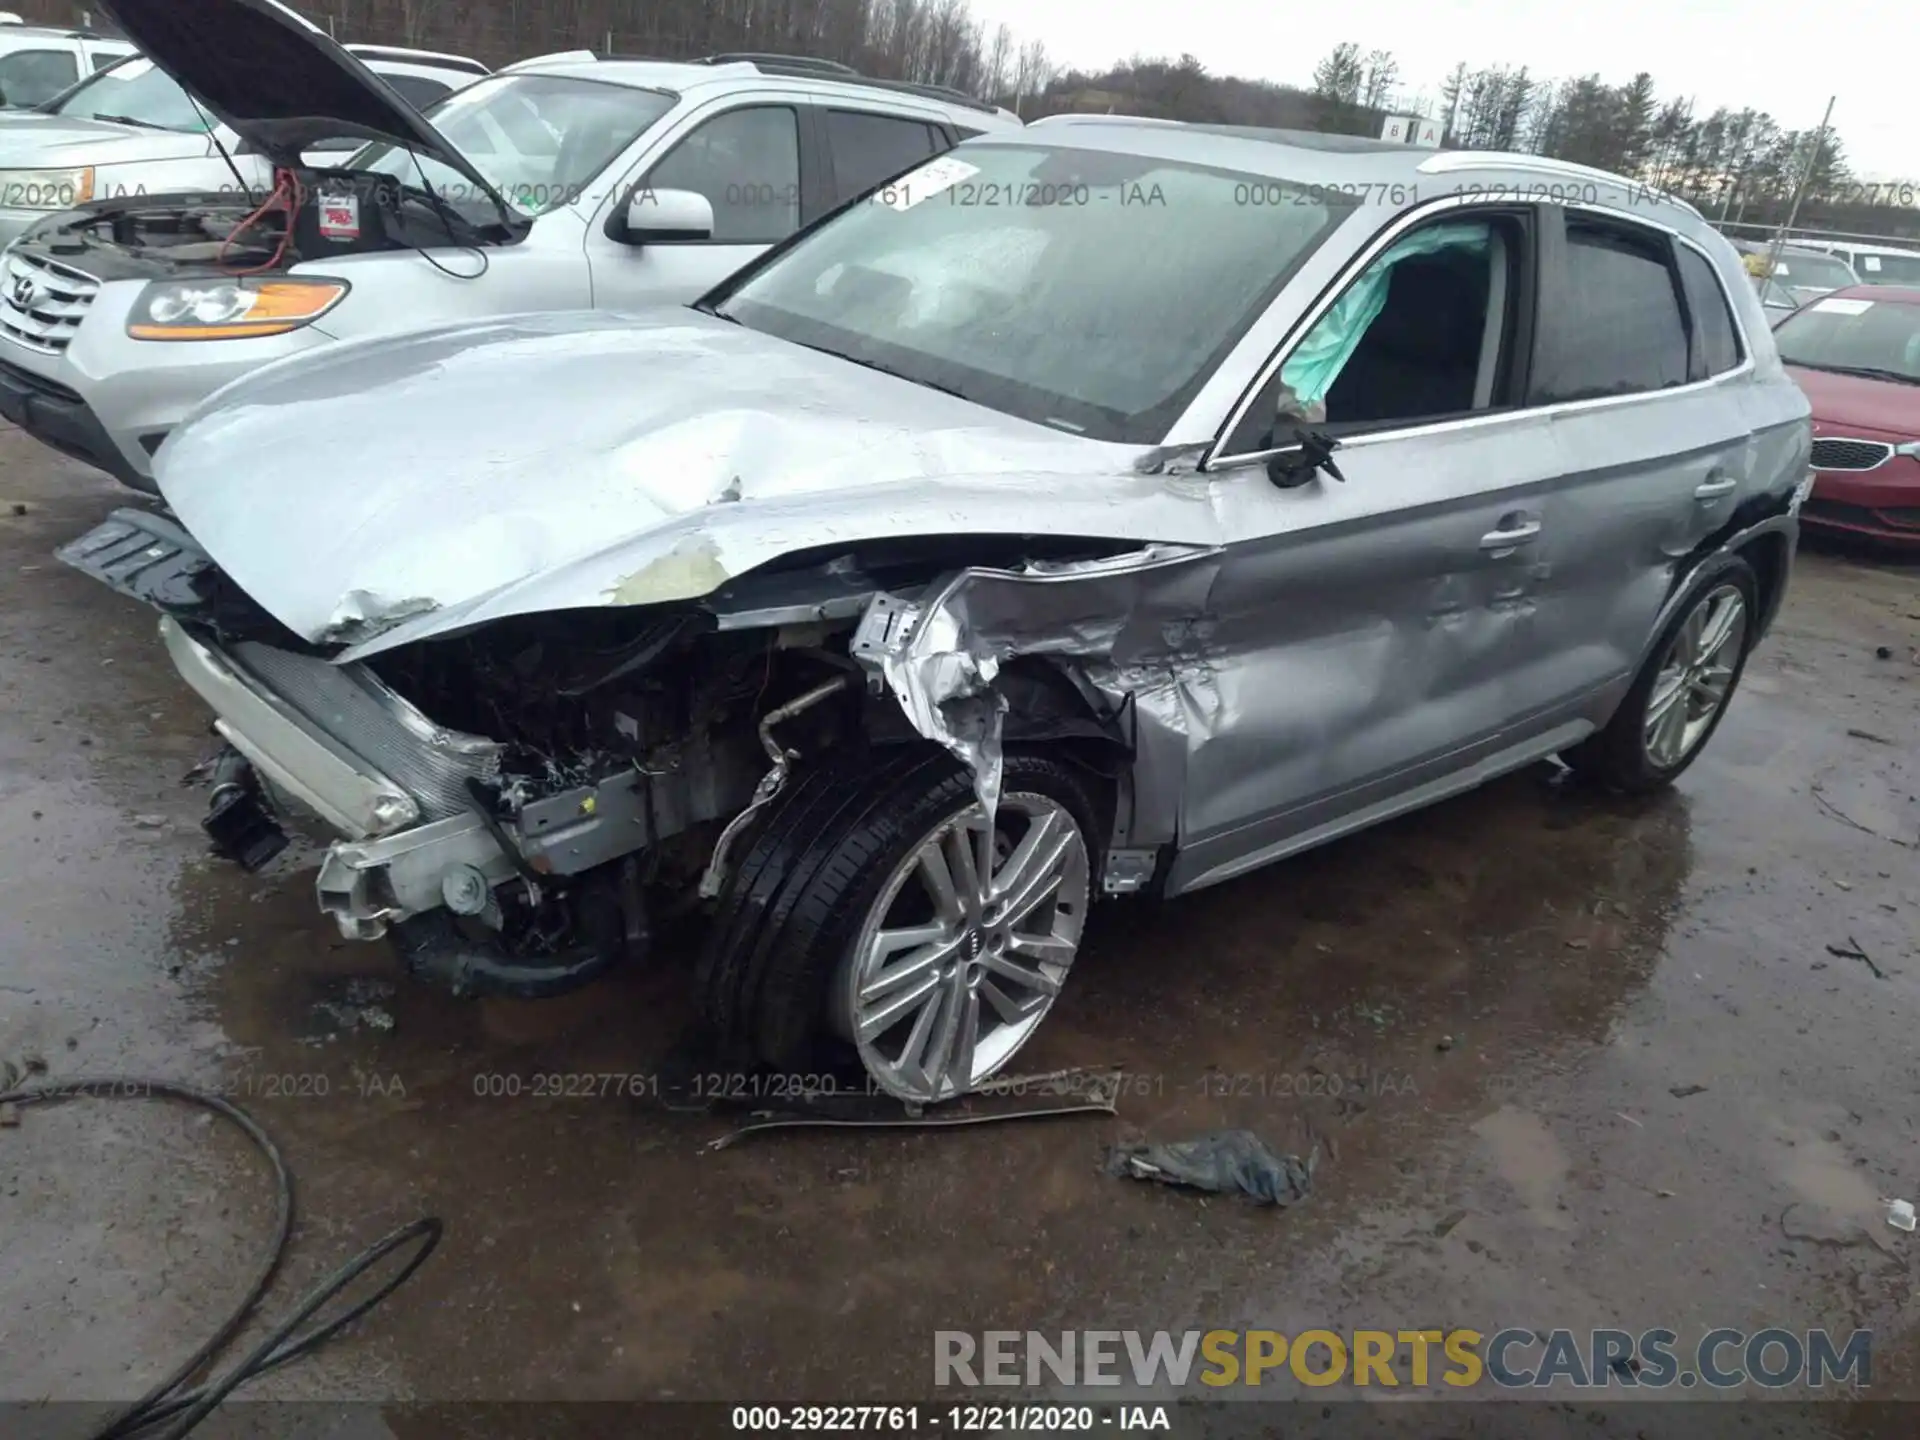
(805, 64)
(557, 57)
(807, 67)
(1447, 160)
(1091, 117)
(424, 57)
(945, 94)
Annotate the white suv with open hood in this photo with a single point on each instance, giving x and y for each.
(131, 129)
(563, 185)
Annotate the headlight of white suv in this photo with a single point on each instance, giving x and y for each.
(230, 309)
(48, 190)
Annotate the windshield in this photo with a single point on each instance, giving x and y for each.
(135, 92)
(1872, 335)
(537, 139)
(1888, 269)
(1815, 272)
(1089, 291)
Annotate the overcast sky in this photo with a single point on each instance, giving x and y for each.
(1718, 52)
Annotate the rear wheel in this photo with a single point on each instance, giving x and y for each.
(1679, 697)
(878, 916)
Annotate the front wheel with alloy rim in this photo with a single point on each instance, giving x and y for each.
(961, 954)
(1682, 691)
(877, 916)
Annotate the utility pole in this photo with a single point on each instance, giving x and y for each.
(1800, 190)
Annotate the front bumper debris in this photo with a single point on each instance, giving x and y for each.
(239, 822)
(289, 750)
(332, 740)
(368, 885)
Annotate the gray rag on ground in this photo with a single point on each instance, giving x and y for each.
(1221, 1161)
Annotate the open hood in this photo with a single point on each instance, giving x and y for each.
(277, 80)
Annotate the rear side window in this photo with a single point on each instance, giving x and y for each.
(33, 77)
(417, 90)
(1716, 343)
(867, 149)
(1617, 329)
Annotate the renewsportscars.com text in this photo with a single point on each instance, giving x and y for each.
(1511, 1358)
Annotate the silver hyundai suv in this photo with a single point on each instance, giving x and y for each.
(560, 184)
(1093, 510)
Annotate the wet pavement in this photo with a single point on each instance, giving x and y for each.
(1571, 1061)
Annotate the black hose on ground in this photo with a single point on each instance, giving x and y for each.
(183, 1410)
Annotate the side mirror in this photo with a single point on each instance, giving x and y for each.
(663, 217)
(1307, 454)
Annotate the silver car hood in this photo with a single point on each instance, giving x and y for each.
(385, 490)
(59, 141)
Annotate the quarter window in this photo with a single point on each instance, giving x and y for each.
(1716, 343)
(1616, 328)
(870, 148)
(747, 163)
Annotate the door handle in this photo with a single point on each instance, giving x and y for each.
(1714, 489)
(1510, 539)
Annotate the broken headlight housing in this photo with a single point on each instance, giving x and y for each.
(230, 309)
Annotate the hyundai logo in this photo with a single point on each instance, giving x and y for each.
(26, 290)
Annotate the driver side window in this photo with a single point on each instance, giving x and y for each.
(747, 163)
(1427, 331)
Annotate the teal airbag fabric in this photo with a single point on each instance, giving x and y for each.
(1318, 360)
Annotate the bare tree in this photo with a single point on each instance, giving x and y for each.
(414, 15)
(1339, 76)
(1450, 94)
(1031, 72)
(993, 69)
(1382, 73)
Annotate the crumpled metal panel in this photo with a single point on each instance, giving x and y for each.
(1129, 621)
(430, 762)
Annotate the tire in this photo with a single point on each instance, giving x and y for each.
(1629, 754)
(778, 981)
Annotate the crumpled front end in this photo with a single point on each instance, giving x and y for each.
(333, 738)
(1131, 630)
(340, 745)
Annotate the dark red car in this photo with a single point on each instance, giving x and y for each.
(1856, 354)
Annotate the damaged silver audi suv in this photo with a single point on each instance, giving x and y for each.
(1094, 510)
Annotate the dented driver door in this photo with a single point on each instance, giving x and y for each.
(1367, 640)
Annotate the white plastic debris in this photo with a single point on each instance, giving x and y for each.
(1900, 1215)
